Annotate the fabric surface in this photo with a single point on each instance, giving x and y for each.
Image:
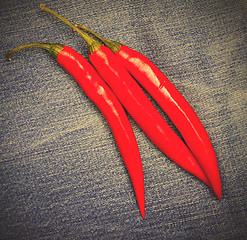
(61, 173)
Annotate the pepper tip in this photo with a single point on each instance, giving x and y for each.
(219, 196)
(143, 213)
(217, 190)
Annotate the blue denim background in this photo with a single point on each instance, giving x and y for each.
(61, 174)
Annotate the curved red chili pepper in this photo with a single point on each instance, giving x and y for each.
(137, 104)
(173, 104)
(103, 97)
(177, 109)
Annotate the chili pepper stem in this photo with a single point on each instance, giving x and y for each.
(92, 43)
(113, 45)
(53, 48)
(92, 32)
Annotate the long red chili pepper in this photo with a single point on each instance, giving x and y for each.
(103, 97)
(137, 104)
(173, 104)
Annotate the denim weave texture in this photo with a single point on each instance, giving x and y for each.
(61, 173)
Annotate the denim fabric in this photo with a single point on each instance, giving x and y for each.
(61, 173)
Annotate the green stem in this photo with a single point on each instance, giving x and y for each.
(114, 46)
(92, 44)
(92, 32)
(53, 48)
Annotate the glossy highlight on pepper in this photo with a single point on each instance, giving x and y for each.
(103, 97)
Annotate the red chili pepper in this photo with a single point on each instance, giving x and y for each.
(137, 104)
(103, 97)
(173, 104)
